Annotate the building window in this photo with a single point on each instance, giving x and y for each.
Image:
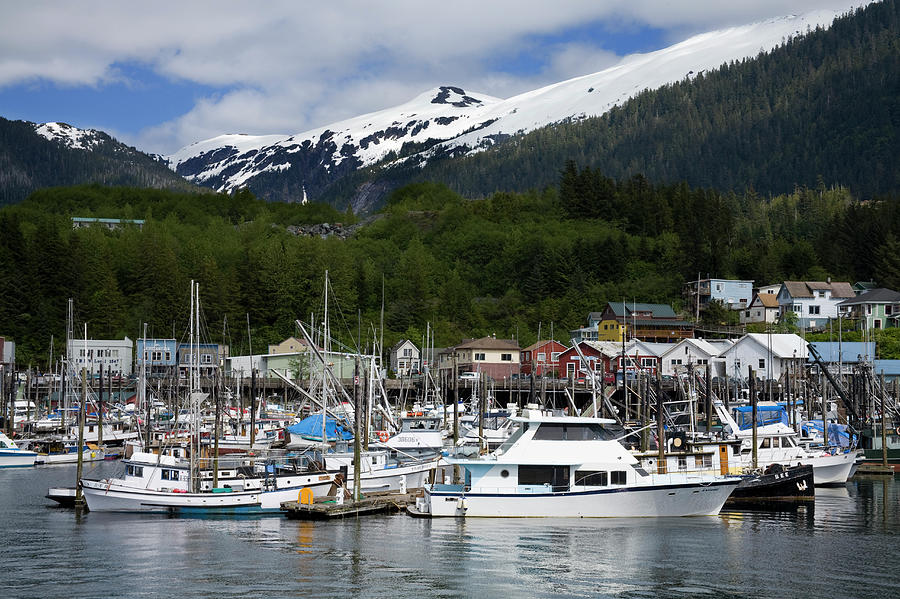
(762, 364)
(479, 356)
(542, 356)
(554, 356)
(814, 309)
(876, 323)
(506, 357)
(157, 356)
(206, 358)
(407, 352)
(648, 362)
(676, 362)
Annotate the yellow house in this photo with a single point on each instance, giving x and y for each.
(612, 330)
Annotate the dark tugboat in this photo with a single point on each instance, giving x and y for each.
(776, 486)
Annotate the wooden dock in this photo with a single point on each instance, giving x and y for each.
(329, 509)
(874, 469)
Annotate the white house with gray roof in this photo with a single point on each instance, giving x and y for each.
(769, 354)
(694, 352)
(814, 302)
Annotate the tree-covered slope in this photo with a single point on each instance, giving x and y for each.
(825, 106)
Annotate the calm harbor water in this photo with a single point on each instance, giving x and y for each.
(847, 546)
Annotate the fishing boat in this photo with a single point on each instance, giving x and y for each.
(418, 436)
(777, 443)
(776, 486)
(563, 466)
(13, 456)
(163, 482)
(60, 451)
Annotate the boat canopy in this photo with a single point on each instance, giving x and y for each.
(311, 428)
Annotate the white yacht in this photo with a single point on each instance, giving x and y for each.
(559, 466)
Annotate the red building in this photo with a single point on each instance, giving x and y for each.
(542, 358)
(598, 356)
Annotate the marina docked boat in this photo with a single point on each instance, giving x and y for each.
(13, 456)
(59, 451)
(163, 483)
(775, 486)
(560, 466)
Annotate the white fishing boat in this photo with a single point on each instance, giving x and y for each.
(60, 451)
(418, 436)
(560, 466)
(162, 483)
(777, 443)
(13, 456)
(381, 473)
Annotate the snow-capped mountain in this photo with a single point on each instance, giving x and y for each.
(451, 121)
(41, 155)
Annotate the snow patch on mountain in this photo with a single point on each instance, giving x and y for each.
(69, 136)
(450, 121)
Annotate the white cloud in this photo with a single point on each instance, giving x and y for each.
(286, 66)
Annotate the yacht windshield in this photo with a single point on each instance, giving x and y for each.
(559, 431)
(517, 434)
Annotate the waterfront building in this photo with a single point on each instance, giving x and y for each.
(693, 352)
(497, 358)
(542, 358)
(158, 356)
(115, 355)
(647, 322)
(769, 354)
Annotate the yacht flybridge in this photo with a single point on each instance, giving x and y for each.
(559, 466)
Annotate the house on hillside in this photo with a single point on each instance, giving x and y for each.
(589, 331)
(770, 355)
(405, 358)
(875, 308)
(647, 322)
(542, 358)
(497, 358)
(733, 294)
(814, 302)
(763, 308)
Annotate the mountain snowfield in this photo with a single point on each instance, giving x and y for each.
(69, 136)
(451, 120)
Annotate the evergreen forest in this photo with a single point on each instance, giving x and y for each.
(503, 265)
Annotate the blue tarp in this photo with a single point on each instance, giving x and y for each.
(837, 433)
(743, 415)
(311, 428)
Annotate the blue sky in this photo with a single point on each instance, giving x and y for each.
(162, 75)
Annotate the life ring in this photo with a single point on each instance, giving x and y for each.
(897, 430)
(383, 436)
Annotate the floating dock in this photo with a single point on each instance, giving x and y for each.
(329, 509)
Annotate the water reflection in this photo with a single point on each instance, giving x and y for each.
(844, 545)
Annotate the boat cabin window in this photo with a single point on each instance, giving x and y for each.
(555, 476)
(776, 442)
(558, 431)
(137, 471)
(167, 474)
(766, 443)
(789, 442)
(618, 477)
(593, 478)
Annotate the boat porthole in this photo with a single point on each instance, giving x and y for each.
(504, 473)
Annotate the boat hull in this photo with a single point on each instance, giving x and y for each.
(16, 458)
(688, 499)
(103, 496)
(794, 484)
